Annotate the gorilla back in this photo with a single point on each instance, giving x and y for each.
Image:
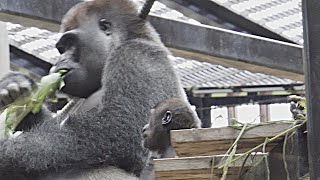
(118, 63)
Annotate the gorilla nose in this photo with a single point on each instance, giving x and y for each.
(67, 40)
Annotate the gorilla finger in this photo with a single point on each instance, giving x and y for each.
(5, 97)
(14, 90)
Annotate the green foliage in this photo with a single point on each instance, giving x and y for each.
(11, 117)
(244, 127)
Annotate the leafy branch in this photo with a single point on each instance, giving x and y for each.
(12, 116)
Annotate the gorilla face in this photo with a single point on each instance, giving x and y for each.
(171, 114)
(86, 42)
(156, 134)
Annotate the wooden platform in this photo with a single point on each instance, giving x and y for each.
(214, 141)
(203, 167)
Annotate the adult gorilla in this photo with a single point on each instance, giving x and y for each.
(117, 62)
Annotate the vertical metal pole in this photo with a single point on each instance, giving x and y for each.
(311, 27)
(4, 50)
(203, 110)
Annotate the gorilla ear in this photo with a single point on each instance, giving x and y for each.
(105, 26)
(166, 118)
(146, 9)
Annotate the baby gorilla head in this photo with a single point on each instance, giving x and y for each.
(171, 114)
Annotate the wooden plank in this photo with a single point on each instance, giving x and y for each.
(214, 141)
(217, 147)
(202, 167)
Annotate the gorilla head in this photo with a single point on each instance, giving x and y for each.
(171, 114)
(92, 30)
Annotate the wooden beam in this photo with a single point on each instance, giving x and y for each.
(214, 141)
(203, 167)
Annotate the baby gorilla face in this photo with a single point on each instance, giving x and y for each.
(171, 114)
(155, 135)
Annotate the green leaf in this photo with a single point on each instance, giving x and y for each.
(17, 111)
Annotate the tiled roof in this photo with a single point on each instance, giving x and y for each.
(201, 74)
(41, 43)
(283, 17)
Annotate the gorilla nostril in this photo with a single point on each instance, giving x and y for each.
(68, 40)
(144, 135)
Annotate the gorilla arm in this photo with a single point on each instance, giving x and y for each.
(42, 149)
(51, 151)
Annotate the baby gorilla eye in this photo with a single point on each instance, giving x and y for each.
(167, 118)
(104, 25)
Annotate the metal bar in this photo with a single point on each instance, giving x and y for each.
(199, 41)
(203, 110)
(231, 45)
(311, 35)
(208, 7)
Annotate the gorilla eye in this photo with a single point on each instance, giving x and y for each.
(167, 118)
(104, 25)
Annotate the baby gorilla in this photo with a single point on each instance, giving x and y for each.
(171, 114)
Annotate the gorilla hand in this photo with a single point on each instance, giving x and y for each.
(13, 86)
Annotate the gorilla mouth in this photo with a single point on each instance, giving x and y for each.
(63, 70)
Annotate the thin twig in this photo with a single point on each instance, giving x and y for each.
(242, 166)
(284, 156)
(212, 167)
(231, 152)
(269, 140)
(266, 158)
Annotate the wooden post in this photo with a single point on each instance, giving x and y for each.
(231, 114)
(311, 35)
(264, 112)
(4, 50)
